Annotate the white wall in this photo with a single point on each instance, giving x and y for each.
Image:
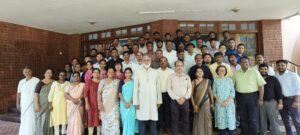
(291, 39)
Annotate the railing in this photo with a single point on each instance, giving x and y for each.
(291, 66)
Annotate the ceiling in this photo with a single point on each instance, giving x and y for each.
(72, 16)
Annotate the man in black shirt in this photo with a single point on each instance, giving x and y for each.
(114, 59)
(178, 39)
(199, 63)
(272, 102)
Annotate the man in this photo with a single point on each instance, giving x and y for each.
(93, 54)
(100, 49)
(189, 56)
(272, 102)
(156, 39)
(130, 45)
(249, 95)
(150, 51)
(77, 68)
(199, 63)
(156, 63)
(180, 56)
(240, 52)
(233, 63)
(187, 40)
(170, 54)
(231, 47)
(178, 39)
(204, 49)
(74, 62)
(99, 57)
(147, 36)
(225, 40)
(290, 84)
(197, 49)
(212, 35)
(146, 97)
(164, 111)
(213, 47)
(117, 45)
(142, 46)
(128, 64)
(259, 59)
(24, 102)
(179, 88)
(135, 50)
(219, 61)
(197, 35)
(114, 59)
(139, 59)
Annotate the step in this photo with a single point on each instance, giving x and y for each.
(13, 110)
(11, 117)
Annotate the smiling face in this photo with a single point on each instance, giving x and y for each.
(199, 73)
(281, 67)
(48, 74)
(61, 76)
(27, 73)
(128, 74)
(110, 73)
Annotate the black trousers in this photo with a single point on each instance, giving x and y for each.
(164, 117)
(182, 111)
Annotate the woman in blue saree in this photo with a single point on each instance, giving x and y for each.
(127, 110)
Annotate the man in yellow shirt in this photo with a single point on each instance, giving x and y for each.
(219, 61)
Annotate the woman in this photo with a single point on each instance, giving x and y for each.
(222, 49)
(223, 91)
(108, 104)
(119, 74)
(41, 104)
(68, 69)
(25, 98)
(88, 72)
(201, 100)
(127, 110)
(74, 97)
(91, 104)
(103, 74)
(58, 104)
(207, 59)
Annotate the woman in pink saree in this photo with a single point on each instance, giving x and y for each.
(75, 106)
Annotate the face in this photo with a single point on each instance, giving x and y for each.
(150, 47)
(213, 43)
(232, 60)
(159, 45)
(74, 62)
(89, 66)
(135, 49)
(180, 56)
(142, 41)
(281, 67)
(125, 48)
(259, 59)
(102, 64)
(99, 57)
(126, 56)
(169, 46)
(48, 74)
(163, 63)
(147, 36)
(219, 59)
(181, 46)
(263, 71)
(93, 53)
(76, 78)
(168, 37)
(179, 67)
(187, 38)
(158, 54)
(231, 44)
(128, 74)
(179, 34)
(156, 36)
(27, 73)
(129, 41)
(139, 56)
(114, 53)
(116, 42)
(118, 67)
(77, 68)
(204, 50)
(222, 49)
(110, 73)
(199, 73)
(241, 49)
(212, 35)
(244, 63)
(190, 49)
(207, 59)
(96, 74)
(61, 76)
(100, 48)
(199, 60)
(226, 35)
(199, 42)
(146, 60)
(86, 59)
(68, 67)
(221, 71)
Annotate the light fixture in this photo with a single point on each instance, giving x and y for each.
(235, 10)
(157, 12)
(293, 15)
(91, 22)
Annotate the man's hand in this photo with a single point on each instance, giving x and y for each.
(87, 106)
(295, 104)
(127, 105)
(137, 107)
(260, 102)
(50, 107)
(158, 105)
(36, 108)
(279, 107)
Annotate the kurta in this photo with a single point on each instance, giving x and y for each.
(128, 116)
(90, 91)
(224, 117)
(26, 89)
(146, 94)
(58, 115)
(88, 75)
(75, 111)
(43, 117)
(110, 112)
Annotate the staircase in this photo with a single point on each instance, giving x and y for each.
(12, 115)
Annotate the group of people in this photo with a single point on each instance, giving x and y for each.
(154, 86)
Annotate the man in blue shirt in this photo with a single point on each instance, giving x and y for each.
(231, 47)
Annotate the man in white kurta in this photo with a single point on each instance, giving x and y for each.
(146, 97)
(26, 90)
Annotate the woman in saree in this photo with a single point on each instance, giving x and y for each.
(58, 104)
(127, 110)
(108, 104)
(88, 73)
(41, 104)
(119, 71)
(75, 110)
(103, 74)
(202, 99)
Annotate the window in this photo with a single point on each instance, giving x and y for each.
(148, 27)
(139, 30)
(252, 26)
(244, 26)
(106, 34)
(232, 27)
(250, 44)
(182, 25)
(118, 32)
(226, 26)
(133, 30)
(124, 32)
(202, 26)
(187, 26)
(93, 36)
(211, 27)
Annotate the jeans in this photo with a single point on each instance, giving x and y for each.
(182, 111)
(223, 132)
(289, 112)
(249, 113)
(153, 127)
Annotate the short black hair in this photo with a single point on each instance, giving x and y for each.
(156, 32)
(218, 54)
(204, 46)
(94, 49)
(113, 49)
(221, 66)
(141, 37)
(167, 34)
(190, 44)
(149, 42)
(221, 45)
(169, 41)
(257, 54)
(147, 33)
(231, 39)
(244, 57)
(225, 32)
(263, 65)
(178, 30)
(282, 61)
(180, 51)
(197, 56)
(197, 32)
(128, 69)
(213, 39)
(178, 61)
(116, 38)
(240, 44)
(126, 52)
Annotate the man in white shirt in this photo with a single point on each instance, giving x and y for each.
(189, 57)
(233, 63)
(164, 111)
(197, 49)
(117, 45)
(259, 59)
(128, 64)
(170, 54)
(142, 45)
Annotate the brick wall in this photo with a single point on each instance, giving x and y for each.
(271, 39)
(20, 46)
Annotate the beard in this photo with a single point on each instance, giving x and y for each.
(264, 75)
(146, 66)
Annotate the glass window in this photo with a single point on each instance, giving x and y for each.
(232, 27)
(90, 36)
(244, 26)
(124, 31)
(118, 32)
(224, 26)
(108, 34)
(190, 26)
(103, 35)
(139, 30)
(182, 25)
(148, 27)
(133, 30)
(202, 26)
(252, 26)
(211, 27)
